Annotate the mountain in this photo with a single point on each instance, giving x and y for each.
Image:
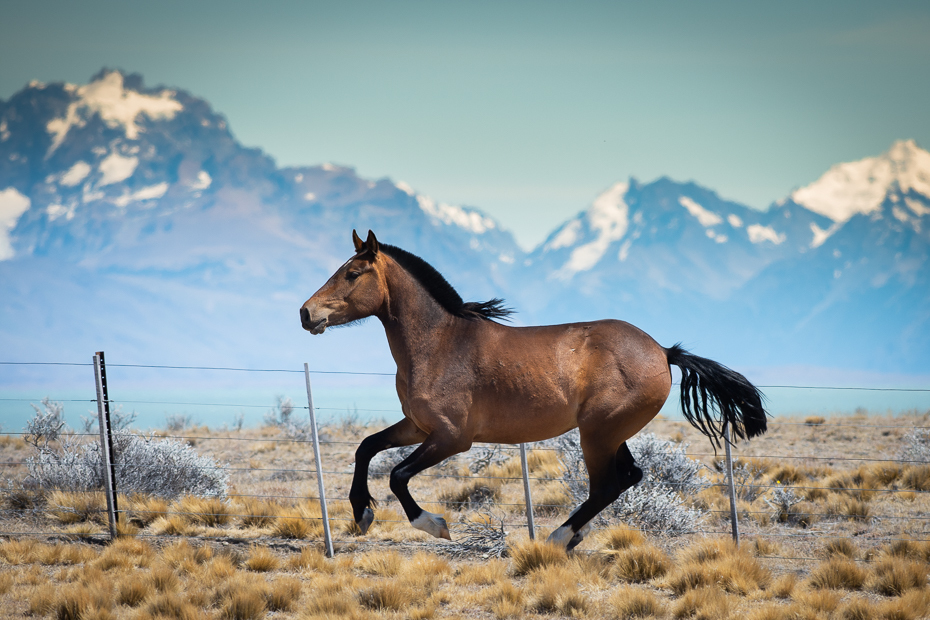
(131, 219)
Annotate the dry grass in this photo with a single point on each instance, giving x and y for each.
(530, 555)
(144, 509)
(840, 547)
(482, 574)
(210, 511)
(282, 594)
(261, 560)
(640, 564)
(838, 573)
(132, 590)
(69, 508)
(256, 512)
(703, 604)
(917, 477)
(718, 562)
(892, 576)
(388, 595)
(621, 537)
(630, 602)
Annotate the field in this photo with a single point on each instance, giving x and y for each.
(823, 536)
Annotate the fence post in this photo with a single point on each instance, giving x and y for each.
(730, 484)
(526, 493)
(327, 536)
(106, 440)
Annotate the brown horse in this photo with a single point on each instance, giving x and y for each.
(462, 377)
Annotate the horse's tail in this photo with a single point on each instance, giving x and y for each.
(714, 397)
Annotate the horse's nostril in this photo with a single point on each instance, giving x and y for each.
(304, 315)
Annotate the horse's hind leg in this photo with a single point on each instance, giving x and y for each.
(404, 433)
(610, 474)
(434, 450)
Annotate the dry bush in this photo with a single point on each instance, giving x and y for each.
(787, 474)
(838, 573)
(892, 576)
(852, 484)
(640, 564)
(170, 605)
(629, 602)
(387, 595)
(857, 609)
(256, 512)
(6, 583)
(814, 420)
(132, 590)
(621, 537)
(530, 555)
(291, 524)
(242, 599)
(841, 547)
(917, 477)
(380, 563)
(16, 552)
(81, 601)
(482, 574)
(261, 560)
(703, 604)
(282, 593)
(424, 571)
(210, 511)
(761, 547)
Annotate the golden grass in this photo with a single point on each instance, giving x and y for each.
(144, 509)
(388, 595)
(6, 583)
(544, 464)
(718, 562)
(170, 605)
(472, 493)
(209, 511)
(504, 600)
(261, 560)
(621, 537)
(282, 594)
(552, 499)
(783, 586)
(703, 604)
(164, 579)
(42, 599)
(917, 477)
(630, 602)
(821, 601)
(69, 508)
(892, 576)
(380, 563)
(482, 574)
(171, 525)
(530, 555)
(256, 512)
(554, 589)
(841, 547)
(640, 564)
(132, 590)
(309, 559)
(243, 599)
(838, 573)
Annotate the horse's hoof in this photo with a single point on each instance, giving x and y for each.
(432, 524)
(562, 536)
(574, 542)
(368, 517)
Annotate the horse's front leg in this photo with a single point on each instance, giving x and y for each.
(435, 449)
(404, 433)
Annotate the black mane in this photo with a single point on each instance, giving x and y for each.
(440, 289)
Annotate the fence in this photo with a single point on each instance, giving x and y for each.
(113, 510)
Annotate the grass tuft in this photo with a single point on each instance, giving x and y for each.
(838, 573)
(261, 560)
(282, 594)
(622, 537)
(641, 564)
(388, 595)
(841, 547)
(892, 576)
(630, 602)
(703, 604)
(530, 555)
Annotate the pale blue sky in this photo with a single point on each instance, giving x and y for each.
(524, 109)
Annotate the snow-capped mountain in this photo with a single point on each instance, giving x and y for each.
(132, 219)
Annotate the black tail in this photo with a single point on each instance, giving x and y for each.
(733, 401)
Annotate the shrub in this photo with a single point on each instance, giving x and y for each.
(629, 602)
(916, 445)
(164, 468)
(47, 424)
(385, 461)
(641, 564)
(656, 503)
(838, 574)
(282, 416)
(531, 555)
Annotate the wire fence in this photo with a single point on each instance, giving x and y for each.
(234, 510)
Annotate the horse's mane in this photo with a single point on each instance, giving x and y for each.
(440, 289)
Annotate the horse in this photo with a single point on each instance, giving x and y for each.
(463, 376)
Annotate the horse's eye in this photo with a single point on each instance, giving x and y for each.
(352, 275)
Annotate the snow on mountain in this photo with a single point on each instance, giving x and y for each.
(861, 186)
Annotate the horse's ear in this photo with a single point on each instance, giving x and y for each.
(359, 244)
(372, 243)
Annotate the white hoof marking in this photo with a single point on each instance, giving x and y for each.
(561, 536)
(432, 524)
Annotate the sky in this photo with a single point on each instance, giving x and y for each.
(526, 110)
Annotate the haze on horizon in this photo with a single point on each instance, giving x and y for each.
(525, 110)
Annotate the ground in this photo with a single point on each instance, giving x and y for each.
(853, 543)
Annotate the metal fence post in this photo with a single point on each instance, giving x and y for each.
(526, 492)
(327, 536)
(731, 485)
(106, 440)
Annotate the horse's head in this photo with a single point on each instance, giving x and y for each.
(354, 292)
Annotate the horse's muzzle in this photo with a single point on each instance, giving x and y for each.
(314, 327)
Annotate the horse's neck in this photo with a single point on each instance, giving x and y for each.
(412, 319)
